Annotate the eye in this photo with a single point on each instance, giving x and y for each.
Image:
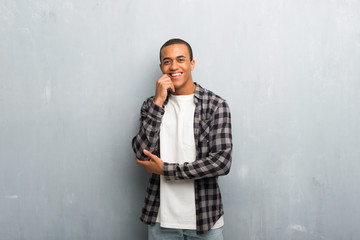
(181, 60)
(166, 62)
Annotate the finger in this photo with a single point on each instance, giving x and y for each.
(171, 87)
(168, 85)
(164, 78)
(138, 160)
(163, 81)
(164, 86)
(153, 157)
(166, 75)
(149, 154)
(166, 82)
(143, 163)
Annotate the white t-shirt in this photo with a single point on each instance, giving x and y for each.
(177, 145)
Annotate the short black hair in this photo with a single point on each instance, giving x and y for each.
(177, 41)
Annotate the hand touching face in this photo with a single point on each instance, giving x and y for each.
(162, 85)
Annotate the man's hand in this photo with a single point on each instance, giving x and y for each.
(154, 165)
(162, 85)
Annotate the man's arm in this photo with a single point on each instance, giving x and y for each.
(218, 161)
(148, 134)
(150, 119)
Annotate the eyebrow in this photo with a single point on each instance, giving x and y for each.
(167, 58)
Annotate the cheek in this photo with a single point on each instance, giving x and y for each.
(163, 69)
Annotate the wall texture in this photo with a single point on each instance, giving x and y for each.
(73, 75)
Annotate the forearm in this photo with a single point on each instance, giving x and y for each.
(148, 134)
(215, 151)
(143, 140)
(216, 164)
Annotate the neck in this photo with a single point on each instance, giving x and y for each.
(188, 89)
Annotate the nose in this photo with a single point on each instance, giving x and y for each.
(173, 65)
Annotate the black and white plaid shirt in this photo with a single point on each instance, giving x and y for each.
(213, 139)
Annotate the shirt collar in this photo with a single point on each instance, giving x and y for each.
(197, 94)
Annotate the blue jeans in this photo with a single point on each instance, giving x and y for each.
(158, 233)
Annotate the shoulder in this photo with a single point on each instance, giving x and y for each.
(210, 99)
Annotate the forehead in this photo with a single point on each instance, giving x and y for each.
(175, 50)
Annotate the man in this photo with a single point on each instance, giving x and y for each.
(185, 141)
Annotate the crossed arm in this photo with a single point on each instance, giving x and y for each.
(217, 162)
(146, 142)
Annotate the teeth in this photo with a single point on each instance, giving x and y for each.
(176, 74)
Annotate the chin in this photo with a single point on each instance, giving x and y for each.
(177, 86)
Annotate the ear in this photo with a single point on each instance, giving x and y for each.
(192, 65)
(161, 69)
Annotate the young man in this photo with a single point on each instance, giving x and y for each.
(185, 141)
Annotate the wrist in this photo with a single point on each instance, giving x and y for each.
(158, 102)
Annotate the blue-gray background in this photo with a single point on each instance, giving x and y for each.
(73, 75)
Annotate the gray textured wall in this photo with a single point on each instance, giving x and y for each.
(73, 75)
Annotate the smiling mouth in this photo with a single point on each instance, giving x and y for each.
(175, 74)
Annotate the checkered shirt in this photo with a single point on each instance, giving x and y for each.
(213, 139)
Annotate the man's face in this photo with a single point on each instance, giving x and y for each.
(175, 61)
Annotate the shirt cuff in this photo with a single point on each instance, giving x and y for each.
(155, 110)
(169, 170)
